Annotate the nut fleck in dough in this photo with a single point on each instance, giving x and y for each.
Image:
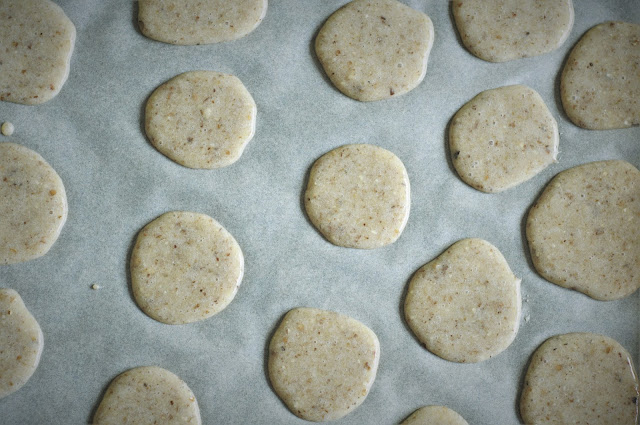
(464, 306)
(201, 119)
(504, 30)
(148, 395)
(375, 49)
(21, 343)
(600, 83)
(580, 378)
(188, 22)
(358, 196)
(322, 364)
(503, 137)
(33, 204)
(36, 43)
(434, 415)
(583, 231)
(185, 267)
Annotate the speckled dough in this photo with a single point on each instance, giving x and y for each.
(189, 22)
(503, 137)
(322, 364)
(600, 83)
(375, 49)
(148, 395)
(36, 43)
(580, 378)
(33, 204)
(358, 196)
(185, 267)
(583, 231)
(504, 30)
(434, 415)
(464, 306)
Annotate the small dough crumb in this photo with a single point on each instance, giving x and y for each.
(7, 129)
(95, 286)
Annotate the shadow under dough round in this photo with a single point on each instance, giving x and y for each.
(434, 415)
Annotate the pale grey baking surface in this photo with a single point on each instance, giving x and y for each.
(91, 133)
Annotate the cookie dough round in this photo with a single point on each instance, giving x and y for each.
(185, 267)
(504, 30)
(600, 83)
(148, 395)
(375, 49)
(37, 43)
(503, 137)
(434, 415)
(322, 364)
(464, 306)
(187, 22)
(358, 196)
(583, 231)
(580, 378)
(33, 204)
(201, 119)
(22, 342)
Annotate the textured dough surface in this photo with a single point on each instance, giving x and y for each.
(358, 196)
(201, 119)
(21, 342)
(503, 137)
(504, 30)
(580, 378)
(189, 22)
(33, 204)
(322, 364)
(148, 395)
(185, 267)
(464, 306)
(375, 49)
(36, 43)
(434, 415)
(600, 83)
(583, 231)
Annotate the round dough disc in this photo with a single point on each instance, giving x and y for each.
(464, 306)
(434, 415)
(185, 267)
(358, 196)
(201, 119)
(583, 231)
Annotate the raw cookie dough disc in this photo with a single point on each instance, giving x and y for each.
(583, 231)
(375, 49)
(464, 306)
(322, 364)
(21, 343)
(503, 137)
(33, 204)
(434, 415)
(580, 378)
(185, 267)
(201, 119)
(600, 83)
(148, 395)
(188, 22)
(504, 30)
(36, 43)
(358, 196)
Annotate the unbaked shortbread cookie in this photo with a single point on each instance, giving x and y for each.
(201, 119)
(322, 364)
(33, 204)
(358, 196)
(504, 30)
(464, 306)
(375, 49)
(185, 267)
(434, 415)
(36, 43)
(503, 137)
(580, 378)
(583, 231)
(600, 83)
(189, 22)
(148, 395)
(21, 343)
